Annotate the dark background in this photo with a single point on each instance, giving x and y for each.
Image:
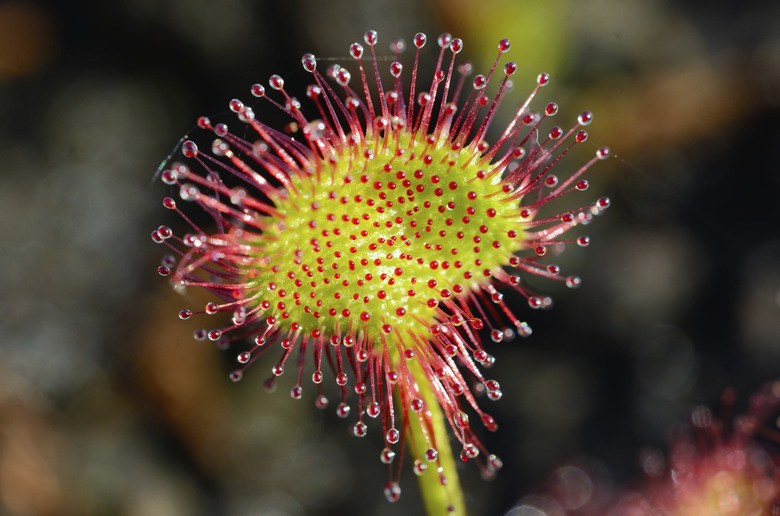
(108, 407)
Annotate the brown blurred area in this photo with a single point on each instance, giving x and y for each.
(28, 39)
(109, 407)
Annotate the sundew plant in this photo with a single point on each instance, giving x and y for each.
(373, 237)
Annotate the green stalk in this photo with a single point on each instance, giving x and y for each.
(437, 498)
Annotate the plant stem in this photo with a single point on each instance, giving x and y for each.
(441, 497)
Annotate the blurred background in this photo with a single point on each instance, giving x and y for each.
(107, 405)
